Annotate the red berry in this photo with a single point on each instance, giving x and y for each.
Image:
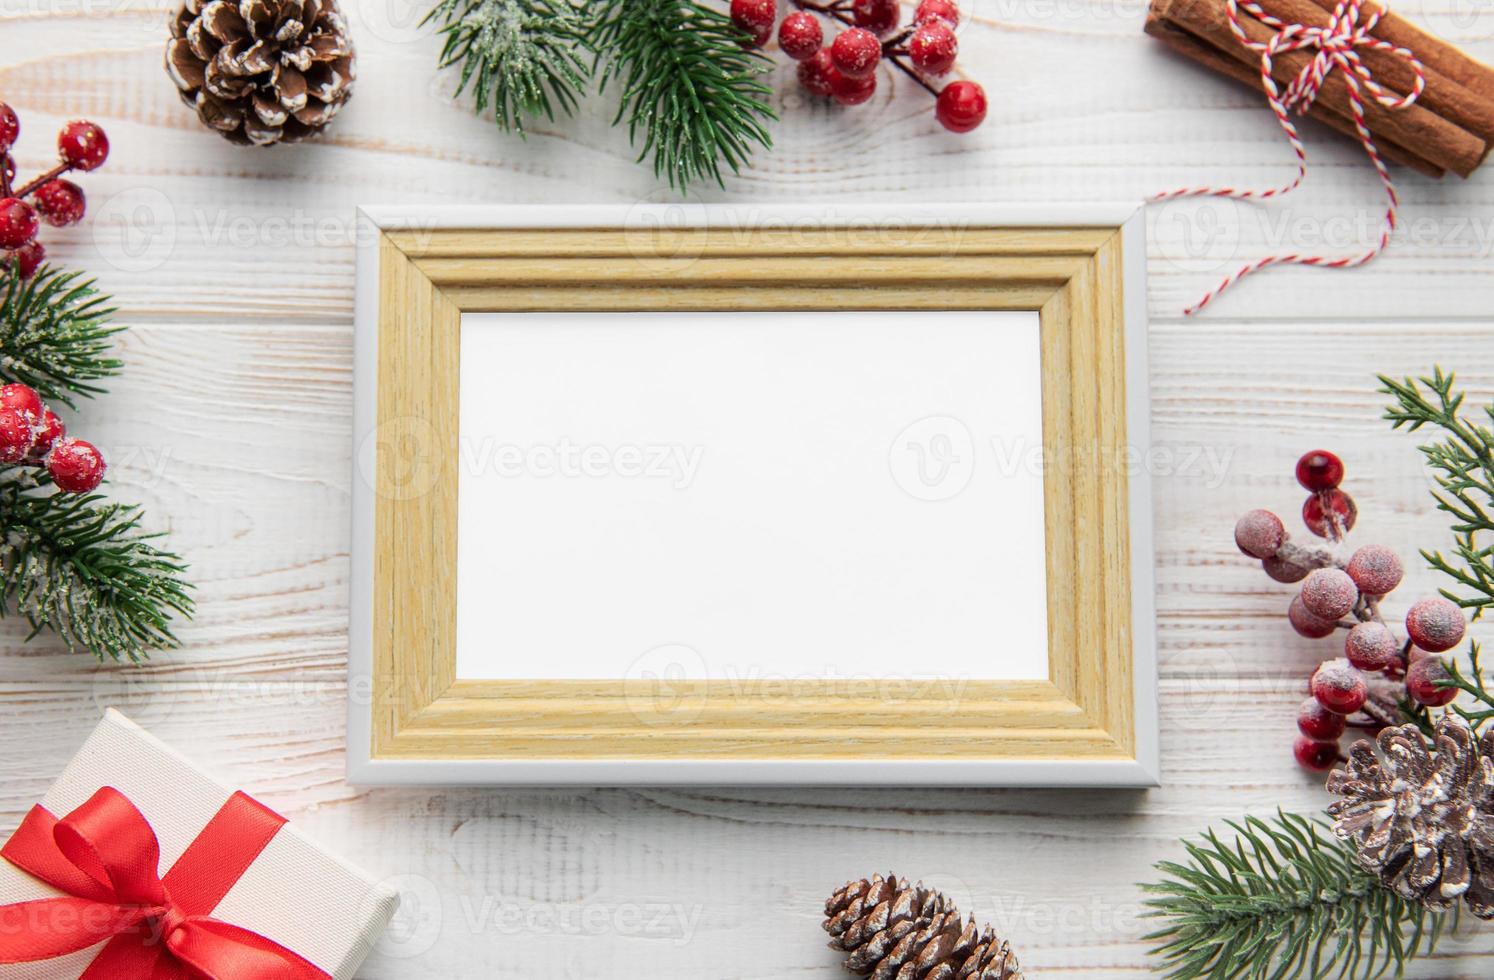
(933, 47)
(83, 145)
(754, 17)
(1316, 721)
(961, 106)
(76, 466)
(1259, 534)
(1329, 593)
(1435, 624)
(60, 202)
(1320, 470)
(17, 223)
(1284, 571)
(17, 434)
(28, 258)
(817, 71)
(856, 52)
(1423, 682)
(800, 35)
(1339, 687)
(944, 10)
(48, 431)
(1375, 569)
(1307, 624)
(1315, 511)
(877, 16)
(851, 91)
(1371, 646)
(22, 398)
(1315, 755)
(10, 127)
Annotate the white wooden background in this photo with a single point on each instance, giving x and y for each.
(234, 269)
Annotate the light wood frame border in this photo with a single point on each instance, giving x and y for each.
(411, 719)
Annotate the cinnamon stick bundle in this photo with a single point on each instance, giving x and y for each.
(1450, 127)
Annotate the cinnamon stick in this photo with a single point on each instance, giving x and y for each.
(1433, 52)
(1212, 58)
(1437, 140)
(1443, 94)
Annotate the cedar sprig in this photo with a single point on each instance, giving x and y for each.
(1284, 899)
(55, 335)
(522, 57)
(692, 95)
(83, 568)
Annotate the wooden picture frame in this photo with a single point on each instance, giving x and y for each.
(412, 719)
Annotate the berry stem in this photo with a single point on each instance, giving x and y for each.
(840, 11)
(41, 179)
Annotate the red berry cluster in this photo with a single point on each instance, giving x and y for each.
(31, 435)
(1363, 688)
(81, 146)
(846, 69)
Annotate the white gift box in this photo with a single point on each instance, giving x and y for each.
(294, 893)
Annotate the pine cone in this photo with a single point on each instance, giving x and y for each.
(262, 71)
(1423, 821)
(892, 930)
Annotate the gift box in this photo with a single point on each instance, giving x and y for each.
(139, 865)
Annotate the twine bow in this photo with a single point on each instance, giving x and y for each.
(1335, 45)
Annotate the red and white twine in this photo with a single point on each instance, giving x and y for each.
(1335, 46)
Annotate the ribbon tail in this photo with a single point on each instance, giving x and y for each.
(217, 950)
(51, 927)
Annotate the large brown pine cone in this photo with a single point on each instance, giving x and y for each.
(1423, 820)
(262, 71)
(893, 930)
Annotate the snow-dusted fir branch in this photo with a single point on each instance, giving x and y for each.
(521, 57)
(55, 334)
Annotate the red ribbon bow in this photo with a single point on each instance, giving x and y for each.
(104, 856)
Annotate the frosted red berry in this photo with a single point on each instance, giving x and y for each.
(1375, 569)
(1371, 646)
(877, 16)
(48, 431)
(933, 47)
(10, 127)
(1424, 683)
(1320, 470)
(1314, 754)
(60, 203)
(800, 35)
(76, 466)
(944, 10)
(1318, 507)
(856, 52)
(83, 145)
(1316, 721)
(1306, 623)
(816, 73)
(1339, 687)
(1435, 624)
(961, 106)
(22, 398)
(851, 91)
(18, 223)
(17, 434)
(27, 259)
(1259, 534)
(1329, 593)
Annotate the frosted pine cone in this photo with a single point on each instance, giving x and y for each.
(892, 930)
(262, 71)
(1422, 820)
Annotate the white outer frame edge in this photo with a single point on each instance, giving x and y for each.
(1144, 771)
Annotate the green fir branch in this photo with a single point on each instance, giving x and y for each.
(522, 57)
(83, 568)
(1284, 899)
(691, 93)
(55, 335)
